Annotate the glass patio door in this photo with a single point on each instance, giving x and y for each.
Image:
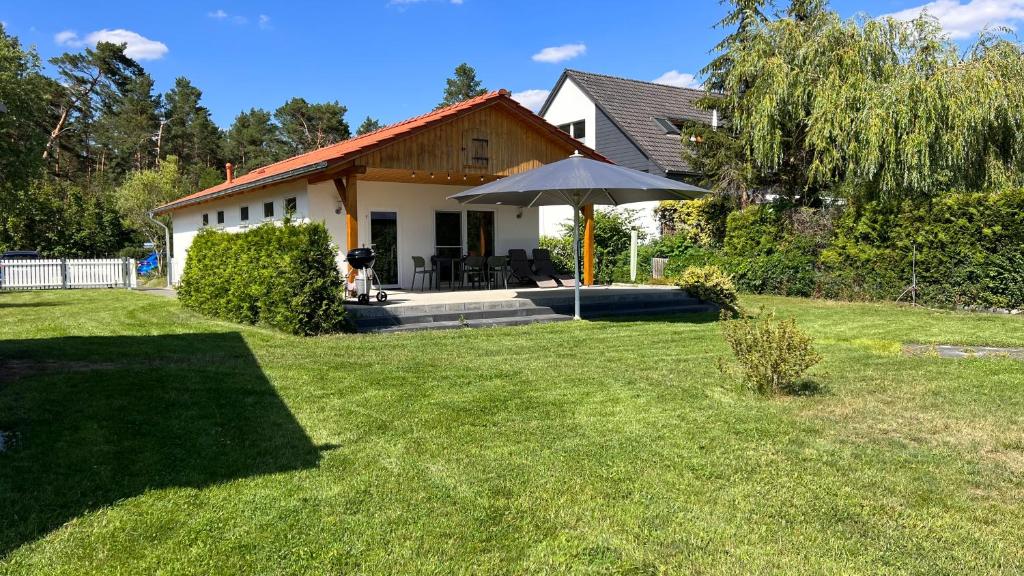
(384, 241)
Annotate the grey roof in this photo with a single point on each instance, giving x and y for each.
(633, 106)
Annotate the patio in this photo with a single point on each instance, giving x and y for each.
(409, 310)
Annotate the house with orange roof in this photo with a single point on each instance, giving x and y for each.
(389, 189)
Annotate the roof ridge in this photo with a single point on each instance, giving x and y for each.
(647, 82)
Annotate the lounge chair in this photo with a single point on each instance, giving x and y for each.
(542, 264)
(522, 272)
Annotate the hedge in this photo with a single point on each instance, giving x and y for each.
(970, 250)
(284, 277)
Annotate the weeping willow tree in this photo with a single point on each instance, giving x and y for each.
(874, 108)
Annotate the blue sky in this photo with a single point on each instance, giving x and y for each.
(389, 58)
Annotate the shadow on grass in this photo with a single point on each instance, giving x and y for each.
(98, 419)
(29, 304)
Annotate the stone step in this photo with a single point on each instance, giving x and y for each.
(385, 320)
(648, 311)
(560, 303)
(475, 323)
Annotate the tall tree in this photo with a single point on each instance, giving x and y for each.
(188, 132)
(306, 126)
(23, 116)
(368, 125)
(85, 80)
(880, 108)
(252, 141)
(127, 126)
(462, 86)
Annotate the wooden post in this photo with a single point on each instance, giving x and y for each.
(588, 245)
(351, 217)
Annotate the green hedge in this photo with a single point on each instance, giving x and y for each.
(284, 277)
(970, 251)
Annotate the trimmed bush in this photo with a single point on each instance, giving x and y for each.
(284, 277)
(710, 284)
(772, 354)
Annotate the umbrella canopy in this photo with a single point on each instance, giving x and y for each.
(578, 181)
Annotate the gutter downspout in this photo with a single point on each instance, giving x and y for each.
(167, 246)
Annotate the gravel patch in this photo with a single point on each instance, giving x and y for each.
(951, 351)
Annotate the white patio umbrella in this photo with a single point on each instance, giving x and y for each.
(578, 181)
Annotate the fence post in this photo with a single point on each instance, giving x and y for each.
(64, 273)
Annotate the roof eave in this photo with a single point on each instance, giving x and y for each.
(231, 191)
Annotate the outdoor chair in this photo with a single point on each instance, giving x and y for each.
(497, 270)
(543, 265)
(473, 270)
(519, 268)
(419, 268)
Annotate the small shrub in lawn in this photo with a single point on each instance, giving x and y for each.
(772, 354)
(710, 284)
(284, 277)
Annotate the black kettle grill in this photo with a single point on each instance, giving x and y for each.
(362, 259)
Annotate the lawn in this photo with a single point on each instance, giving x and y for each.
(150, 440)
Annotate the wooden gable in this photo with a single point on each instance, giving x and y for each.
(479, 146)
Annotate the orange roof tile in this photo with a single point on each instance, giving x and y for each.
(310, 162)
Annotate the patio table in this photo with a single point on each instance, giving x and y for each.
(450, 261)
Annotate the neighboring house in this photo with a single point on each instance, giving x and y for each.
(389, 189)
(630, 122)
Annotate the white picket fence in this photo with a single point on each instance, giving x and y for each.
(65, 273)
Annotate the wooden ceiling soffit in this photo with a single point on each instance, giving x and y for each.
(339, 171)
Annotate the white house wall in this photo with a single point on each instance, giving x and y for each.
(188, 221)
(570, 104)
(414, 203)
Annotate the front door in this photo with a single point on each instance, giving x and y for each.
(384, 241)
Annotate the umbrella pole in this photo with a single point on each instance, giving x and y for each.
(576, 255)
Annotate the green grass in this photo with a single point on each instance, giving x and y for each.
(151, 440)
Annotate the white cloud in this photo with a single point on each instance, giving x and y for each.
(532, 99)
(963, 20)
(264, 21)
(66, 38)
(218, 14)
(555, 54)
(678, 79)
(137, 46)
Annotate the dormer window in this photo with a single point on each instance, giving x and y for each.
(667, 126)
(577, 129)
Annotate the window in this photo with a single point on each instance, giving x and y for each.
(290, 205)
(480, 233)
(667, 126)
(268, 209)
(448, 234)
(206, 219)
(220, 216)
(244, 214)
(577, 129)
(478, 152)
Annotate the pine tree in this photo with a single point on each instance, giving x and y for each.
(188, 132)
(368, 125)
(305, 126)
(252, 141)
(127, 126)
(462, 86)
(86, 80)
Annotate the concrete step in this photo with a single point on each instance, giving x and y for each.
(400, 316)
(648, 311)
(475, 323)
